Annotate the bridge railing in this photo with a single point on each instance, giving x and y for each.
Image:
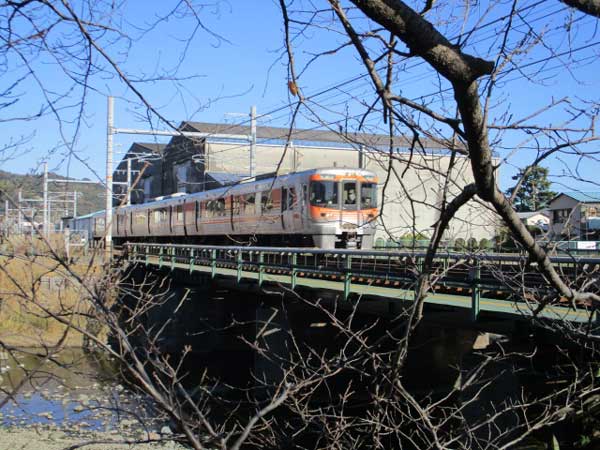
(508, 280)
(506, 274)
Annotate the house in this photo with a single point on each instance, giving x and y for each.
(575, 215)
(537, 219)
(411, 196)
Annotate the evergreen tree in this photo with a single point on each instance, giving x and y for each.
(534, 193)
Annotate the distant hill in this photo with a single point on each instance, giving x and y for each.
(90, 197)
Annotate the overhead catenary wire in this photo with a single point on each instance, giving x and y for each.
(405, 81)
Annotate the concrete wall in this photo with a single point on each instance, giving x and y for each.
(412, 195)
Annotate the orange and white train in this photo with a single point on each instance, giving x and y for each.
(325, 208)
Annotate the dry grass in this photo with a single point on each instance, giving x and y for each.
(37, 291)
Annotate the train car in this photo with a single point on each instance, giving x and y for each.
(325, 208)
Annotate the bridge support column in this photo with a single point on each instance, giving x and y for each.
(440, 351)
(272, 336)
(474, 276)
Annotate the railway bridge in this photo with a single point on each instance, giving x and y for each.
(483, 289)
(238, 295)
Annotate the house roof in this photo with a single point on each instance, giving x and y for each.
(277, 133)
(527, 215)
(581, 197)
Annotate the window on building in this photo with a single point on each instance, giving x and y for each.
(591, 211)
(181, 175)
(560, 215)
(147, 188)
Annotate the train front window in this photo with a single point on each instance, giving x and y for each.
(324, 194)
(349, 195)
(368, 195)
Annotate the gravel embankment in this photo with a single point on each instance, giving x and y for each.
(46, 439)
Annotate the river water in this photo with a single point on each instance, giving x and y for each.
(74, 392)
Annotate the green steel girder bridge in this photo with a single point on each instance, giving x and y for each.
(478, 283)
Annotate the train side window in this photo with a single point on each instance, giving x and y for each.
(304, 194)
(179, 214)
(284, 199)
(221, 207)
(266, 201)
(292, 199)
(249, 204)
(236, 201)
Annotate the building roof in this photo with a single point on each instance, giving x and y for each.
(151, 146)
(144, 148)
(226, 178)
(527, 215)
(277, 133)
(581, 197)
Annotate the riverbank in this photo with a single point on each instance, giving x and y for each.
(36, 438)
(76, 398)
(42, 302)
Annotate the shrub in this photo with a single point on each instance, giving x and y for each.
(459, 244)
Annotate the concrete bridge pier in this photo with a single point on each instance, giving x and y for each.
(272, 340)
(436, 355)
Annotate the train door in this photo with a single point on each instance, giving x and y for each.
(235, 212)
(304, 208)
(295, 206)
(285, 217)
(290, 210)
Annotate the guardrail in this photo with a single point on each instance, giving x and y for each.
(493, 278)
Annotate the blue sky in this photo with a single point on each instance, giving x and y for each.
(221, 76)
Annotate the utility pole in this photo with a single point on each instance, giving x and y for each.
(361, 162)
(45, 215)
(253, 141)
(19, 213)
(109, 180)
(6, 217)
(294, 156)
(128, 181)
(75, 203)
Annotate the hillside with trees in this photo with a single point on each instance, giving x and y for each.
(90, 197)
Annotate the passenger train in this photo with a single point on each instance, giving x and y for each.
(325, 208)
